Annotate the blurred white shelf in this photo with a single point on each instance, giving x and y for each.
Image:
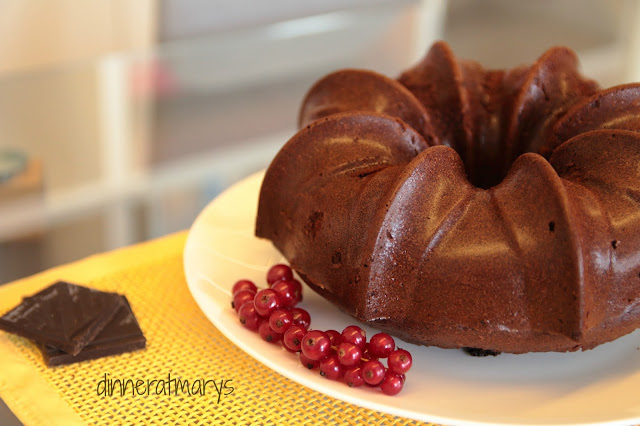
(223, 167)
(360, 36)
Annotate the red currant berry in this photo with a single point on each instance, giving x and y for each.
(293, 337)
(280, 320)
(279, 272)
(353, 377)
(248, 316)
(349, 354)
(244, 285)
(285, 346)
(335, 337)
(266, 302)
(400, 361)
(355, 335)
(366, 354)
(373, 372)
(381, 345)
(241, 297)
(308, 362)
(331, 368)
(297, 289)
(287, 292)
(316, 345)
(301, 317)
(391, 384)
(268, 334)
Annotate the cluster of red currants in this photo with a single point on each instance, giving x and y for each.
(348, 356)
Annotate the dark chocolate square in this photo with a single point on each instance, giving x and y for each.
(122, 334)
(65, 316)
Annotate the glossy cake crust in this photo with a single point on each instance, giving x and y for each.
(461, 207)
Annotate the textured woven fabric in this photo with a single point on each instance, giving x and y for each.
(180, 342)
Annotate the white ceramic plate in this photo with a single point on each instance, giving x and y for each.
(601, 386)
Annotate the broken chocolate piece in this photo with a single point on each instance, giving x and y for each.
(122, 334)
(65, 316)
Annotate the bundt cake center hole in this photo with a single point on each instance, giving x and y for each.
(482, 174)
(486, 169)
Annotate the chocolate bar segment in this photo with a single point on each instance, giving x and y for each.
(65, 316)
(122, 334)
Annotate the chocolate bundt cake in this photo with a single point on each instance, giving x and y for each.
(464, 207)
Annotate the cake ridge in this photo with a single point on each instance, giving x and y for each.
(622, 148)
(631, 108)
(511, 235)
(360, 90)
(583, 228)
(570, 325)
(439, 54)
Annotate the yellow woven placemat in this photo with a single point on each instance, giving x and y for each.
(180, 342)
